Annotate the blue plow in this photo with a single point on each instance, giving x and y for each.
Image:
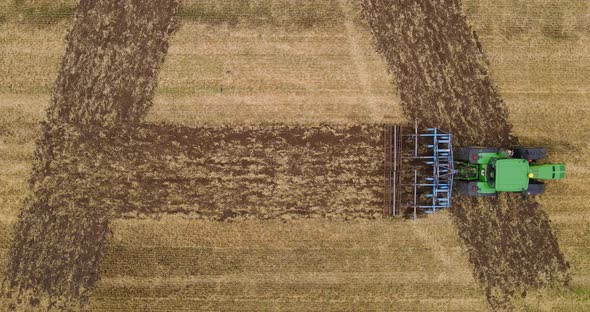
(419, 171)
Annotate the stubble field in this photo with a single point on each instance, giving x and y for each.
(262, 72)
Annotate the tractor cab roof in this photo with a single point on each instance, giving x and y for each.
(511, 175)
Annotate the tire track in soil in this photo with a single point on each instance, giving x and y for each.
(106, 79)
(443, 80)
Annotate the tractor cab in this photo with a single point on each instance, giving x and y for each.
(507, 175)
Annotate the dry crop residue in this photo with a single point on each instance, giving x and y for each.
(106, 79)
(443, 80)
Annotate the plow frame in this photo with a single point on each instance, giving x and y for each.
(425, 190)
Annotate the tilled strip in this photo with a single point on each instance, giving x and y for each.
(221, 173)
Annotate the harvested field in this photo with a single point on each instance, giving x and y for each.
(443, 79)
(304, 76)
(511, 246)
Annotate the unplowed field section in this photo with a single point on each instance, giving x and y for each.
(216, 75)
(261, 265)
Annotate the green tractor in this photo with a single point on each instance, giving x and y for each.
(423, 170)
(485, 171)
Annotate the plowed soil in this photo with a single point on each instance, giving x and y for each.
(443, 80)
(261, 172)
(221, 173)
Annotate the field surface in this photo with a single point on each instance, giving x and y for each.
(279, 63)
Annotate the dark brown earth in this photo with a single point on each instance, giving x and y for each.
(441, 72)
(106, 80)
(264, 171)
(443, 80)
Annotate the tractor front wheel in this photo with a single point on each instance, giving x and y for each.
(530, 153)
(469, 188)
(535, 188)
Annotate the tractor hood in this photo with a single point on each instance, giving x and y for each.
(512, 175)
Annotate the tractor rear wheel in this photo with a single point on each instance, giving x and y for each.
(530, 153)
(465, 188)
(469, 188)
(535, 188)
(469, 153)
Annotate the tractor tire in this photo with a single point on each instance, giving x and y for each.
(535, 188)
(469, 152)
(466, 188)
(530, 153)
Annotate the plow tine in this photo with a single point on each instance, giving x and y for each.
(388, 170)
(392, 146)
